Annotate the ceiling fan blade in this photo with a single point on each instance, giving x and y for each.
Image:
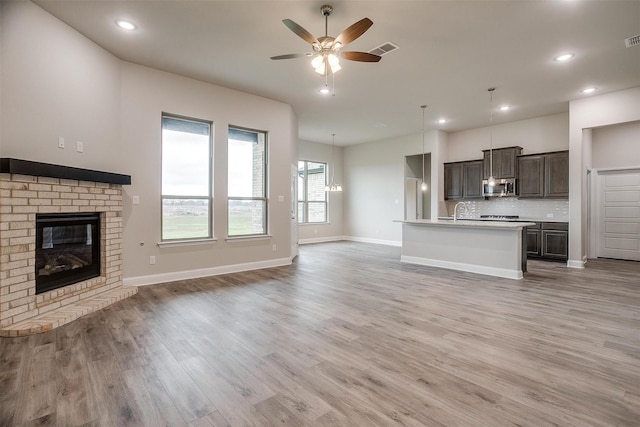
(291, 56)
(354, 31)
(301, 32)
(360, 56)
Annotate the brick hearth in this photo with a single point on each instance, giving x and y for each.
(22, 312)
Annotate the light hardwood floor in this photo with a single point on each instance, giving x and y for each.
(347, 335)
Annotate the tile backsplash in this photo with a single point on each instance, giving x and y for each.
(540, 209)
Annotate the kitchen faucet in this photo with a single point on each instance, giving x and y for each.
(455, 209)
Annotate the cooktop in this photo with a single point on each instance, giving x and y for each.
(500, 216)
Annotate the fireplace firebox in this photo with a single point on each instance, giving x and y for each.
(67, 249)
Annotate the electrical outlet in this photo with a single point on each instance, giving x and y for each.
(60, 142)
(549, 215)
(274, 248)
(80, 147)
(152, 260)
(136, 200)
(315, 231)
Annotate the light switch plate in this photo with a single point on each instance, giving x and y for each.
(136, 200)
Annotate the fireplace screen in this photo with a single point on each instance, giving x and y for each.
(67, 249)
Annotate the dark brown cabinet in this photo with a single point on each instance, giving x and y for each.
(548, 240)
(453, 181)
(556, 175)
(544, 175)
(463, 180)
(504, 162)
(534, 237)
(531, 176)
(472, 174)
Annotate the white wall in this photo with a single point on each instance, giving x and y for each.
(616, 146)
(374, 185)
(146, 93)
(584, 114)
(58, 83)
(333, 230)
(537, 135)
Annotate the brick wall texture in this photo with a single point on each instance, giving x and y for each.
(21, 198)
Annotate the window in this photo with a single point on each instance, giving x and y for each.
(247, 190)
(186, 178)
(312, 197)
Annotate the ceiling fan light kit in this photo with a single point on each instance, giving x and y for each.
(327, 52)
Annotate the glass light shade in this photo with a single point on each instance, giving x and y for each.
(424, 186)
(333, 60)
(491, 181)
(333, 187)
(318, 63)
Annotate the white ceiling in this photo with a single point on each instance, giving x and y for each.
(450, 53)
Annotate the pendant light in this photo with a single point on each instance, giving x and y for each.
(491, 181)
(424, 184)
(333, 186)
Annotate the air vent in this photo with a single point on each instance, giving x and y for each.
(632, 41)
(383, 49)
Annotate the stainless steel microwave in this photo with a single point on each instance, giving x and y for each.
(503, 188)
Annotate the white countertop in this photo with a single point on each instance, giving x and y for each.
(469, 223)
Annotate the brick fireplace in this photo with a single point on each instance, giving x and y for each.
(30, 189)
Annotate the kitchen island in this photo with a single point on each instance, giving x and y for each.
(495, 248)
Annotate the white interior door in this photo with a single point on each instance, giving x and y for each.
(619, 215)
(412, 199)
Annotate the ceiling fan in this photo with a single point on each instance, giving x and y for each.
(326, 49)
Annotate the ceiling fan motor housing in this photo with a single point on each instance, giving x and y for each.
(326, 9)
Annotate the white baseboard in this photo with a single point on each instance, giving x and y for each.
(321, 240)
(203, 272)
(490, 271)
(375, 241)
(575, 264)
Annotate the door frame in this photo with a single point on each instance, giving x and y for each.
(595, 182)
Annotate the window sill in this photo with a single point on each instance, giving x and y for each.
(187, 242)
(306, 224)
(244, 238)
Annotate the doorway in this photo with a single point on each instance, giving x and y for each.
(412, 199)
(417, 202)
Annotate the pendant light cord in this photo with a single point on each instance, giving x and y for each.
(333, 158)
(491, 131)
(424, 107)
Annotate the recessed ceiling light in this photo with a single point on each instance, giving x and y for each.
(442, 121)
(588, 90)
(564, 57)
(504, 108)
(125, 25)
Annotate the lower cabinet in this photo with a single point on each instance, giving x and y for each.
(548, 240)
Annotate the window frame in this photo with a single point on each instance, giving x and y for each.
(265, 185)
(306, 201)
(209, 197)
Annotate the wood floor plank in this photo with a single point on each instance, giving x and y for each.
(345, 336)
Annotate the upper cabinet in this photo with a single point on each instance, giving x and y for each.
(453, 176)
(472, 174)
(544, 175)
(504, 162)
(463, 180)
(556, 175)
